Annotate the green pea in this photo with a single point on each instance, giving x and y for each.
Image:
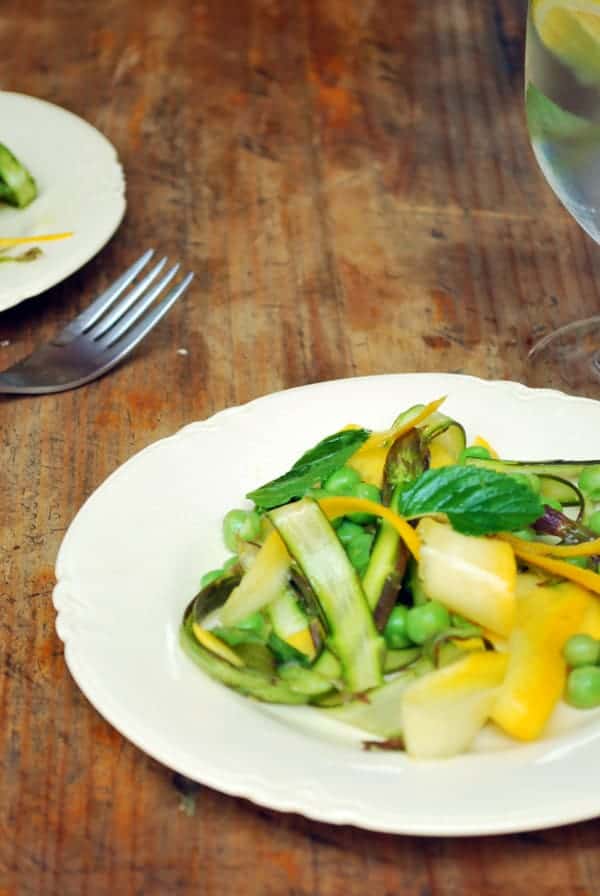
(371, 493)
(395, 628)
(368, 491)
(251, 528)
(347, 531)
(232, 524)
(552, 502)
(589, 481)
(427, 620)
(583, 687)
(210, 576)
(244, 524)
(473, 451)
(359, 551)
(581, 650)
(594, 522)
(342, 481)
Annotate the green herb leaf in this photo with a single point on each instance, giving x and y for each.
(477, 501)
(314, 466)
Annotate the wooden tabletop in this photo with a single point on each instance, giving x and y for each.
(352, 183)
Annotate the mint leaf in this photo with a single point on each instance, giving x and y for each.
(314, 466)
(477, 501)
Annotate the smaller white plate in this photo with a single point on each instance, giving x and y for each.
(81, 188)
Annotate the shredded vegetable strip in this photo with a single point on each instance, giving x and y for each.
(584, 549)
(336, 507)
(261, 584)
(380, 439)
(9, 241)
(584, 577)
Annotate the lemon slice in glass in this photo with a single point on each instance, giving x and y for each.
(570, 29)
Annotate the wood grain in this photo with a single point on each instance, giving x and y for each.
(352, 183)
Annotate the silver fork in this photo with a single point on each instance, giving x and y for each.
(101, 336)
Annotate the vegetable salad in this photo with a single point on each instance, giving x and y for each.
(412, 586)
(18, 188)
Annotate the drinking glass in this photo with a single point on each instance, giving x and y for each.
(562, 101)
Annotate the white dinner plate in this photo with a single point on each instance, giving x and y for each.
(81, 188)
(132, 560)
